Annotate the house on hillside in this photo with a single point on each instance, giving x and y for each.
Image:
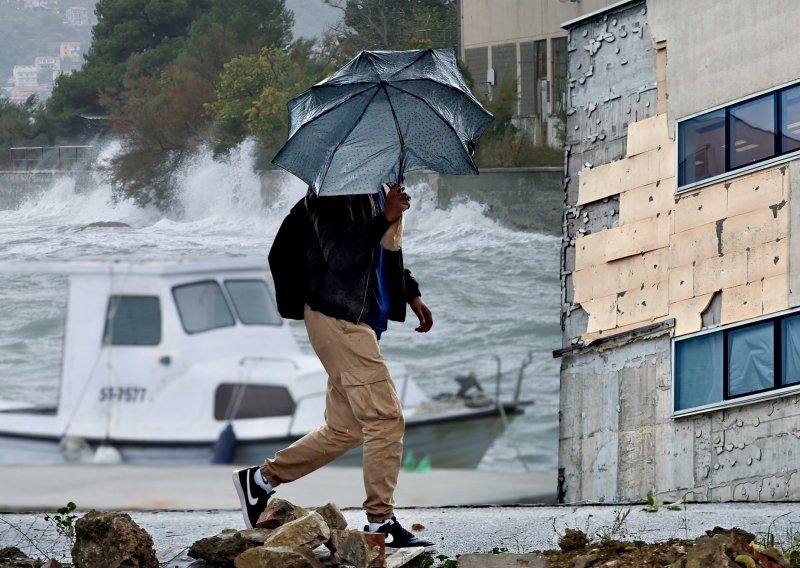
(680, 364)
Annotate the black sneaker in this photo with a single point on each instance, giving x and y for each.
(252, 496)
(398, 537)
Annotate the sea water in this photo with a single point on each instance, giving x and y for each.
(494, 292)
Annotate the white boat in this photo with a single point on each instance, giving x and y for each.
(189, 362)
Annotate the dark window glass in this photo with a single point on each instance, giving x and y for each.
(790, 350)
(701, 147)
(752, 131)
(790, 119)
(253, 302)
(133, 320)
(698, 371)
(233, 401)
(751, 359)
(202, 307)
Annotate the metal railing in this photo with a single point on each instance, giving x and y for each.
(51, 157)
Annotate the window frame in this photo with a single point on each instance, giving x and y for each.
(231, 310)
(776, 391)
(777, 157)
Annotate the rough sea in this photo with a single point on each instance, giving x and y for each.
(494, 292)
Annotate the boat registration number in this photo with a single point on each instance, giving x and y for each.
(122, 394)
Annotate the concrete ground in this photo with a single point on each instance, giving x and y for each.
(455, 530)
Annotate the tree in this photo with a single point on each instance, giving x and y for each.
(253, 91)
(24, 124)
(391, 24)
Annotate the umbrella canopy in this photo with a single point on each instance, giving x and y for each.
(382, 114)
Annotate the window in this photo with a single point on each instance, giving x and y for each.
(737, 361)
(235, 401)
(751, 134)
(739, 135)
(202, 307)
(253, 302)
(133, 320)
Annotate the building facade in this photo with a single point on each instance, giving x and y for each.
(520, 45)
(680, 367)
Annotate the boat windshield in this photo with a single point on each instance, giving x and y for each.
(253, 302)
(204, 306)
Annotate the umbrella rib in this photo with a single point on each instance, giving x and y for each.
(402, 166)
(443, 119)
(343, 138)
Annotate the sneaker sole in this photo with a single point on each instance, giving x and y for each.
(242, 499)
(431, 548)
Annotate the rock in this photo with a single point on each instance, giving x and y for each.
(747, 536)
(333, 517)
(105, 224)
(52, 563)
(573, 540)
(504, 560)
(776, 556)
(277, 557)
(278, 513)
(111, 540)
(361, 549)
(12, 557)
(706, 552)
(219, 551)
(309, 531)
(585, 560)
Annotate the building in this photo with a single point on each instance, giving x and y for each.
(520, 45)
(25, 76)
(680, 364)
(70, 50)
(77, 16)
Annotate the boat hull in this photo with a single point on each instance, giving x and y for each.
(447, 442)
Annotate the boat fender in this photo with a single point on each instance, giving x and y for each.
(225, 446)
(75, 449)
(106, 453)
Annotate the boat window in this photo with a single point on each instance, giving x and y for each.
(253, 302)
(133, 320)
(202, 306)
(234, 401)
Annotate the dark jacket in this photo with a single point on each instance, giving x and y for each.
(342, 258)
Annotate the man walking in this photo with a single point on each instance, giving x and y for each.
(356, 287)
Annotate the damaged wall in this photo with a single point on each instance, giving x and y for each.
(635, 253)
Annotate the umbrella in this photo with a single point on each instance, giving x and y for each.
(382, 114)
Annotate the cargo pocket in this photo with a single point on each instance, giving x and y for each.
(372, 397)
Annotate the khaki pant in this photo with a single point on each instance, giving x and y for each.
(361, 407)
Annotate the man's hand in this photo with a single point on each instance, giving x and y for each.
(397, 201)
(423, 314)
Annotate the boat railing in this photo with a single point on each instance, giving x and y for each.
(262, 358)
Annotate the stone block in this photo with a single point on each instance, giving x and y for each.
(308, 531)
(643, 304)
(695, 244)
(674, 464)
(768, 260)
(630, 272)
(278, 513)
(647, 134)
(750, 193)
(332, 516)
(687, 314)
(649, 201)
(681, 283)
(112, 540)
(590, 250)
(741, 302)
(775, 294)
(602, 313)
(700, 207)
(582, 283)
(764, 225)
(361, 549)
(636, 463)
(277, 557)
(221, 549)
(719, 273)
(642, 236)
